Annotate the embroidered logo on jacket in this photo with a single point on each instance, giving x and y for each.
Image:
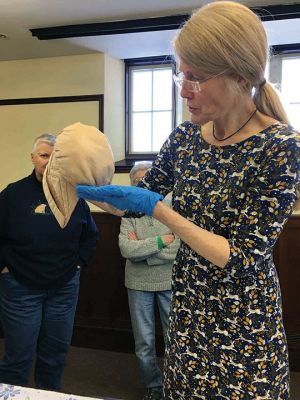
(41, 209)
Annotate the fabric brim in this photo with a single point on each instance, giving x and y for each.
(61, 196)
(81, 155)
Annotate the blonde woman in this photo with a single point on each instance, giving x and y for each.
(233, 170)
(150, 249)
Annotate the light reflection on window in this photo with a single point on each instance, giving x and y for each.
(290, 89)
(151, 113)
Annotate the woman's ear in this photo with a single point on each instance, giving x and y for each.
(243, 83)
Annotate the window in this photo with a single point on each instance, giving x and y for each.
(290, 84)
(150, 106)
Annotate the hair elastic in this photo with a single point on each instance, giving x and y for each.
(262, 83)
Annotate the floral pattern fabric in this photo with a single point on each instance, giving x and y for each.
(12, 392)
(226, 338)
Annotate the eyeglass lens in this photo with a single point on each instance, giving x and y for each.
(182, 83)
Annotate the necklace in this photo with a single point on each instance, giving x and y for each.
(222, 140)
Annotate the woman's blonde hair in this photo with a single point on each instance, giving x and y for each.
(228, 36)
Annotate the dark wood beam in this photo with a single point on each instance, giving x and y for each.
(110, 28)
(173, 22)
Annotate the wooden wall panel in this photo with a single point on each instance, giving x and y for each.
(288, 266)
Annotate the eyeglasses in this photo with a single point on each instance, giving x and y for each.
(137, 180)
(191, 86)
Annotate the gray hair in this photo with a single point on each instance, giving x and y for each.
(140, 166)
(44, 138)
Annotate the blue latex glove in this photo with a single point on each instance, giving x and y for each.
(129, 198)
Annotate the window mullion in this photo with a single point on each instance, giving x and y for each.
(152, 103)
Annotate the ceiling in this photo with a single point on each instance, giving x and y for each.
(17, 17)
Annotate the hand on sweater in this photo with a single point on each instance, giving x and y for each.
(132, 236)
(167, 239)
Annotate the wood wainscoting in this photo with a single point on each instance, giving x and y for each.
(287, 261)
(102, 317)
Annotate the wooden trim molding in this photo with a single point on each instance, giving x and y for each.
(60, 99)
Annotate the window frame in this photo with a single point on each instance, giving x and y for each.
(278, 55)
(130, 64)
(285, 57)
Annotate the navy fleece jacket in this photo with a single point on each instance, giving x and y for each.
(37, 252)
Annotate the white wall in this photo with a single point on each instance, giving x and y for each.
(54, 77)
(114, 105)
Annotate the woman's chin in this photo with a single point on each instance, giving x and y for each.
(198, 119)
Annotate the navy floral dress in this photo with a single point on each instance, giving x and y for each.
(226, 338)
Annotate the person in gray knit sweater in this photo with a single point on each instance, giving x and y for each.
(150, 248)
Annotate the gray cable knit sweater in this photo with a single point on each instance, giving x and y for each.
(147, 267)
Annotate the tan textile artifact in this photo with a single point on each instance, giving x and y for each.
(81, 155)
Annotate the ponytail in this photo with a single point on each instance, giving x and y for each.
(267, 101)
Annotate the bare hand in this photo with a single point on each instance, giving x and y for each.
(132, 236)
(168, 239)
(108, 208)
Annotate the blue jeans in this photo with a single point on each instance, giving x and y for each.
(36, 322)
(141, 306)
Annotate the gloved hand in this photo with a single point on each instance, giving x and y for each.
(129, 198)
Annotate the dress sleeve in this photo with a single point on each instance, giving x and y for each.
(160, 177)
(268, 203)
